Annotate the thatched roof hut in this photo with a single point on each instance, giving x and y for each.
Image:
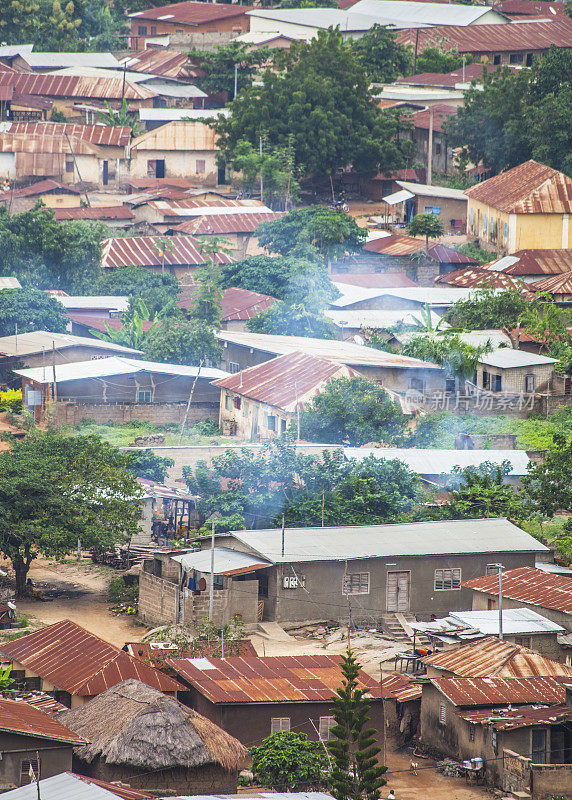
(132, 728)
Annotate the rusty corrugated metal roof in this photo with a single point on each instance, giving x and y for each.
(270, 679)
(144, 651)
(471, 72)
(286, 382)
(556, 284)
(400, 687)
(44, 145)
(374, 280)
(112, 135)
(47, 186)
(236, 303)
(529, 585)
(491, 38)
(448, 255)
(121, 790)
(94, 212)
(540, 262)
(76, 661)
(146, 251)
(75, 86)
(215, 224)
(188, 135)
(159, 61)
(503, 719)
(421, 119)
(491, 657)
(192, 13)
(42, 700)
(500, 691)
(530, 188)
(394, 245)
(477, 276)
(21, 717)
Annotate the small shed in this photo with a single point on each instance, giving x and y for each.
(138, 735)
(512, 371)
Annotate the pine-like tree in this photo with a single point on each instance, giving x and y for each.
(356, 774)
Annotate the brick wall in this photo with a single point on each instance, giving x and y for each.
(157, 599)
(157, 413)
(516, 772)
(551, 780)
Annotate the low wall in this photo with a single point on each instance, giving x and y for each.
(551, 780)
(157, 600)
(516, 772)
(157, 413)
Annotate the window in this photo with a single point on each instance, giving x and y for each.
(282, 426)
(437, 148)
(278, 724)
(485, 223)
(142, 30)
(492, 224)
(447, 579)
(496, 59)
(233, 367)
(471, 732)
(218, 582)
(228, 402)
(153, 30)
(529, 59)
(69, 163)
(271, 422)
(356, 583)
(416, 384)
(326, 725)
(486, 380)
(143, 396)
(492, 570)
(27, 767)
(505, 230)
(496, 383)
(494, 742)
(432, 210)
(523, 641)
(442, 713)
(529, 383)
(516, 58)
(472, 215)
(450, 385)
(200, 166)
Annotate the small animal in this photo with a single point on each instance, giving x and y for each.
(413, 767)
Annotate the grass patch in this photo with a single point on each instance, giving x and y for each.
(121, 592)
(202, 433)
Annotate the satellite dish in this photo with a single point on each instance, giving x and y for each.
(358, 339)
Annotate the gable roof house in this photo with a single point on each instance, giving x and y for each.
(261, 402)
(237, 305)
(136, 734)
(75, 665)
(52, 194)
(29, 735)
(178, 149)
(515, 372)
(483, 718)
(525, 207)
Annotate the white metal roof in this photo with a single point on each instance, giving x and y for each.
(208, 211)
(261, 37)
(25, 344)
(54, 60)
(397, 197)
(10, 283)
(381, 541)
(180, 114)
(10, 50)
(420, 295)
(507, 358)
(441, 462)
(433, 191)
(514, 620)
(365, 318)
(426, 13)
(340, 352)
(111, 302)
(501, 263)
(104, 367)
(171, 88)
(226, 561)
(397, 91)
(318, 18)
(64, 786)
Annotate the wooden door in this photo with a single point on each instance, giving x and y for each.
(398, 590)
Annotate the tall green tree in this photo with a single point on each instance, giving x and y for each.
(134, 331)
(159, 291)
(30, 310)
(147, 464)
(356, 772)
(382, 57)
(178, 342)
(56, 489)
(206, 308)
(483, 493)
(293, 320)
(427, 225)
(319, 96)
(548, 485)
(436, 59)
(487, 309)
(218, 66)
(449, 351)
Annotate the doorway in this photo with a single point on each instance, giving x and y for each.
(398, 591)
(105, 175)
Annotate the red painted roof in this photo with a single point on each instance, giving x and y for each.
(19, 717)
(111, 135)
(448, 255)
(76, 661)
(530, 188)
(529, 585)
(421, 119)
(494, 691)
(270, 679)
(94, 212)
(191, 13)
(472, 72)
(492, 38)
(236, 303)
(41, 187)
(285, 381)
(217, 224)
(146, 251)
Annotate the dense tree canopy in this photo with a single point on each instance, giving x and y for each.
(380, 55)
(487, 309)
(519, 115)
(352, 411)
(147, 464)
(449, 351)
(30, 310)
(427, 225)
(293, 320)
(548, 485)
(159, 291)
(218, 67)
(320, 102)
(434, 59)
(55, 490)
(288, 761)
(177, 342)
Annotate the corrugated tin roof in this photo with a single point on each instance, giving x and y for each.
(114, 365)
(57, 60)
(491, 657)
(354, 355)
(159, 61)
(422, 120)
(420, 295)
(442, 462)
(286, 382)
(378, 319)
(76, 661)
(448, 255)
(111, 135)
(425, 13)
(427, 190)
(476, 277)
(492, 38)
(324, 18)
(74, 86)
(67, 786)
(156, 652)
(179, 114)
(514, 621)
(380, 541)
(94, 212)
(395, 244)
(44, 145)
(471, 72)
(20, 717)
(397, 197)
(102, 323)
(556, 284)
(42, 700)
(529, 188)
(10, 283)
(118, 789)
(535, 262)
(236, 303)
(34, 342)
(373, 280)
(47, 186)
(107, 302)
(192, 13)
(507, 358)
(183, 136)
(401, 687)
(531, 586)
(216, 224)
(146, 251)
(226, 561)
(496, 691)
(503, 719)
(270, 679)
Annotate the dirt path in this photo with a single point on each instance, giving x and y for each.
(428, 784)
(78, 591)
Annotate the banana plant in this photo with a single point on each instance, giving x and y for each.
(133, 332)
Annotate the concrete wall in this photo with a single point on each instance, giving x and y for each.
(70, 413)
(551, 780)
(55, 757)
(513, 380)
(516, 772)
(178, 164)
(508, 233)
(253, 420)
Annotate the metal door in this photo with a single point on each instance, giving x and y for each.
(398, 584)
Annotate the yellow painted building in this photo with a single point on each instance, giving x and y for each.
(525, 208)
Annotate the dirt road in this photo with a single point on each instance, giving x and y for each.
(428, 784)
(78, 592)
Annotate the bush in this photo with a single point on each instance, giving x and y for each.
(289, 761)
(11, 400)
(121, 592)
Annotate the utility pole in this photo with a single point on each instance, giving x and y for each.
(383, 742)
(297, 414)
(416, 46)
(282, 535)
(430, 148)
(261, 178)
(500, 568)
(464, 62)
(235, 79)
(190, 400)
(77, 169)
(55, 384)
(211, 587)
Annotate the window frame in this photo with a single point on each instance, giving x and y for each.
(144, 392)
(529, 381)
(351, 578)
(279, 724)
(200, 166)
(233, 367)
(442, 713)
(25, 772)
(472, 729)
(327, 723)
(446, 579)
